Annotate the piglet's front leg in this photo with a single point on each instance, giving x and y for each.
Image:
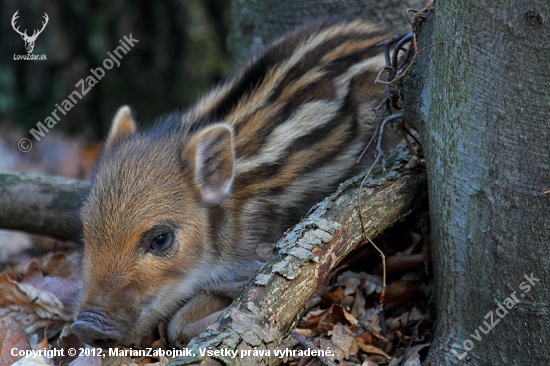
(204, 309)
(200, 312)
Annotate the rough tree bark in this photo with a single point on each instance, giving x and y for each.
(255, 23)
(272, 303)
(42, 205)
(481, 101)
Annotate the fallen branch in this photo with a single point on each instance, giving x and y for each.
(41, 205)
(271, 304)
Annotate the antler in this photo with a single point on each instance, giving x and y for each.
(15, 16)
(24, 34)
(34, 34)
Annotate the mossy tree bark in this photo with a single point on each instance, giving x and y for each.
(480, 102)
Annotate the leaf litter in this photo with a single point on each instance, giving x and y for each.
(343, 316)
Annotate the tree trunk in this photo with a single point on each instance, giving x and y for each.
(272, 303)
(255, 23)
(42, 205)
(481, 101)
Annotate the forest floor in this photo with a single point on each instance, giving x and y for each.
(41, 283)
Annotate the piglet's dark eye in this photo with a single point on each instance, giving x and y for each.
(161, 242)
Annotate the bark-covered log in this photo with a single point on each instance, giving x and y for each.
(273, 301)
(480, 102)
(41, 205)
(255, 23)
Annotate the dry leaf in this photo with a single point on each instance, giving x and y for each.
(321, 321)
(65, 290)
(333, 296)
(11, 336)
(366, 338)
(37, 360)
(334, 315)
(347, 302)
(349, 317)
(67, 339)
(327, 344)
(313, 318)
(42, 293)
(369, 363)
(39, 307)
(412, 356)
(352, 280)
(374, 324)
(404, 319)
(413, 361)
(343, 339)
(347, 363)
(304, 332)
(399, 292)
(359, 307)
(369, 348)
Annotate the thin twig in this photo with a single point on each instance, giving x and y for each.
(391, 118)
(25, 308)
(379, 154)
(366, 237)
(409, 19)
(416, 12)
(388, 102)
(405, 58)
(398, 47)
(407, 133)
(376, 110)
(404, 73)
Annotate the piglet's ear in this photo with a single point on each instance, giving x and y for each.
(122, 128)
(214, 159)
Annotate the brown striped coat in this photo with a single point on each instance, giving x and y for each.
(186, 204)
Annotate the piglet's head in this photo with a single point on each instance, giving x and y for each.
(148, 242)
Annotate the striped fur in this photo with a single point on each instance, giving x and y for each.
(290, 125)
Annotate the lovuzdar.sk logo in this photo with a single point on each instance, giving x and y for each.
(29, 40)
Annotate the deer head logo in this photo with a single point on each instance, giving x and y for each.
(29, 40)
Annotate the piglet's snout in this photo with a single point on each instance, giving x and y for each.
(94, 329)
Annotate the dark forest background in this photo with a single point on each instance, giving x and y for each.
(181, 53)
